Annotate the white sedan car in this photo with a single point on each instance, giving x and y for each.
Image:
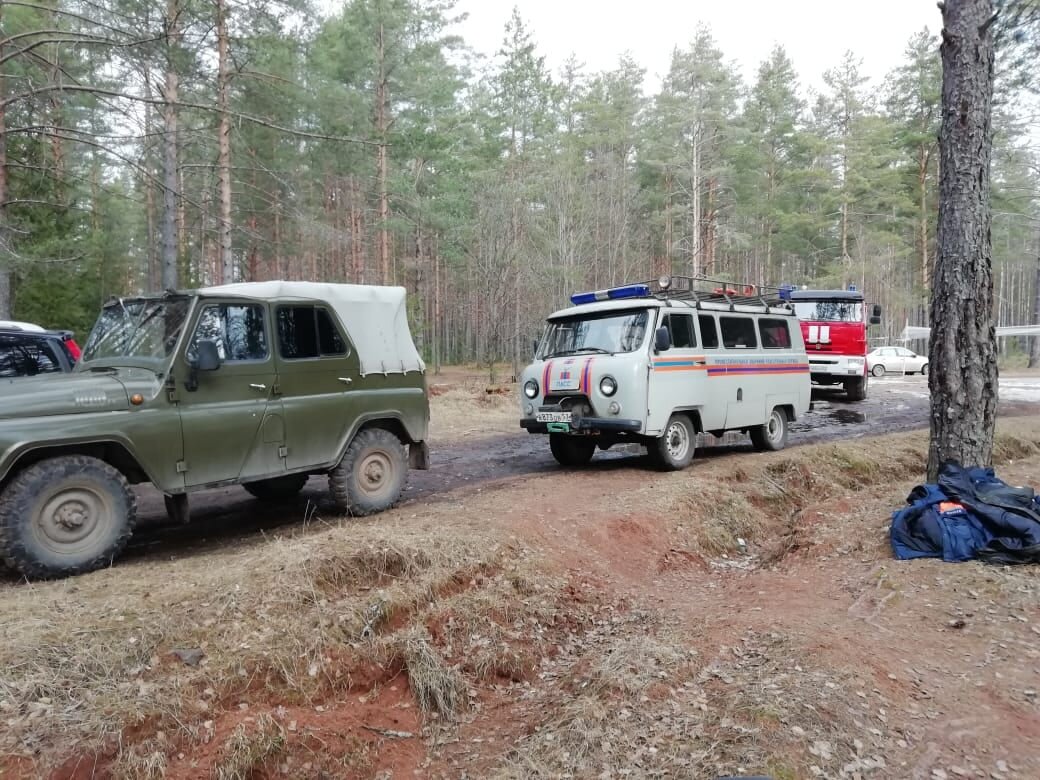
(896, 360)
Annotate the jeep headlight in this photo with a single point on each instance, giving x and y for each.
(608, 386)
(531, 388)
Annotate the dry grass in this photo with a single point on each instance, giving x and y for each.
(249, 747)
(468, 411)
(437, 687)
(86, 658)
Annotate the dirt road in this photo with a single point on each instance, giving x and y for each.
(895, 404)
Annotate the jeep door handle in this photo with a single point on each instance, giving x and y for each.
(257, 386)
(346, 380)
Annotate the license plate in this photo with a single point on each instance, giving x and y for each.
(563, 384)
(547, 417)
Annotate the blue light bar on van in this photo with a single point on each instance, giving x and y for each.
(612, 294)
(785, 291)
(852, 288)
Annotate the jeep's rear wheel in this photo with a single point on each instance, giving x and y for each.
(277, 488)
(66, 515)
(371, 475)
(571, 451)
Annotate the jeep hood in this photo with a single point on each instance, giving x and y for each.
(73, 393)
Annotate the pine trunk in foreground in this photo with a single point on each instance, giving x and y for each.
(962, 355)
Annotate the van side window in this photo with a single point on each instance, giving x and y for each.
(680, 326)
(775, 334)
(738, 332)
(709, 335)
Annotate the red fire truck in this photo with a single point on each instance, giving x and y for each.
(834, 327)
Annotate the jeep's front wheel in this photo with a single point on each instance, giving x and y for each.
(371, 475)
(277, 488)
(66, 515)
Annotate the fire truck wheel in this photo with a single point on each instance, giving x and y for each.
(856, 389)
(572, 451)
(673, 450)
(772, 435)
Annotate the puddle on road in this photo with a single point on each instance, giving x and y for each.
(845, 416)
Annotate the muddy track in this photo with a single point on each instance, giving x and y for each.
(230, 513)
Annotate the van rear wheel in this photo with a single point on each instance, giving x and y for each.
(773, 435)
(673, 450)
(571, 451)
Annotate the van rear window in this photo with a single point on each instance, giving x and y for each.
(775, 334)
(738, 332)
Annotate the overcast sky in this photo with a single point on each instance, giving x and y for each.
(816, 33)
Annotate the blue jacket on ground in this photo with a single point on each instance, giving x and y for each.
(969, 514)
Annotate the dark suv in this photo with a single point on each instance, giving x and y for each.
(32, 352)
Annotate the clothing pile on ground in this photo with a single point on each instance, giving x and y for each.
(969, 514)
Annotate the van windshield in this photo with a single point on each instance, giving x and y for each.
(829, 311)
(604, 332)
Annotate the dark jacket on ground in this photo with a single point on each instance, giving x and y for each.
(969, 514)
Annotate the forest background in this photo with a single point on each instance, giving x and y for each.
(147, 145)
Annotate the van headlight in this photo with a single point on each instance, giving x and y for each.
(608, 386)
(531, 388)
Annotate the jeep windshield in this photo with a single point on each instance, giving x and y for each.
(136, 331)
(606, 332)
(829, 311)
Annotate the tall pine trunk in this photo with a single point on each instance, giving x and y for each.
(382, 126)
(962, 352)
(170, 141)
(227, 266)
(1034, 342)
(6, 254)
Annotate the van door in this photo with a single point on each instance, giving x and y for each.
(679, 375)
(713, 413)
(229, 420)
(738, 374)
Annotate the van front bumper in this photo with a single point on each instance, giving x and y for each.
(586, 425)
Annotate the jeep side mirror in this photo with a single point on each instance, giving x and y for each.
(662, 340)
(208, 356)
(875, 315)
(534, 347)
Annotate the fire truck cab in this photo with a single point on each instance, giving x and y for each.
(834, 328)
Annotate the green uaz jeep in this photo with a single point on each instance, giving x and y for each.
(260, 384)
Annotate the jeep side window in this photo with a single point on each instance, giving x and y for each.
(709, 334)
(308, 332)
(738, 332)
(238, 330)
(775, 334)
(680, 326)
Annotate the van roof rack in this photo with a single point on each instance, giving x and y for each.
(701, 289)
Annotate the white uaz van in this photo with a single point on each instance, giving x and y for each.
(657, 363)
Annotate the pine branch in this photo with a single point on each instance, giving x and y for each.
(182, 104)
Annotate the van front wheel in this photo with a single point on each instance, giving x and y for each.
(673, 450)
(571, 451)
(773, 435)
